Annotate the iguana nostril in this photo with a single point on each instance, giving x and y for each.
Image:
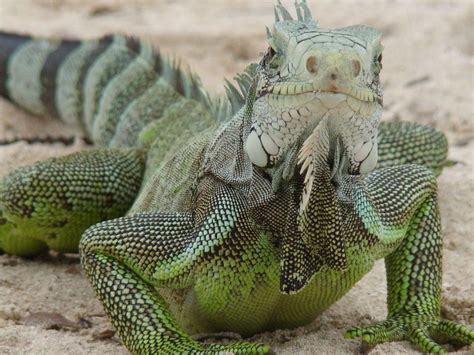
(312, 64)
(333, 76)
(356, 67)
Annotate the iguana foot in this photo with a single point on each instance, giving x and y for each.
(220, 336)
(237, 348)
(427, 335)
(12, 242)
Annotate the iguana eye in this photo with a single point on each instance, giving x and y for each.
(379, 59)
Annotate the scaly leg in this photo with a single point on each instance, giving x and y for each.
(411, 143)
(126, 258)
(414, 268)
(49, 204)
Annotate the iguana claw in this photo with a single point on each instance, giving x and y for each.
(425, 335)
(239, 348)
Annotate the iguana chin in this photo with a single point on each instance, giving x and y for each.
(243, 214)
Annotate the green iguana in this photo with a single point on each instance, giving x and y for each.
(244, 214)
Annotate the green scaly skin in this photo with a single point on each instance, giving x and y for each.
(244, 214)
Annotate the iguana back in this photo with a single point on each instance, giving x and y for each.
(137, 107)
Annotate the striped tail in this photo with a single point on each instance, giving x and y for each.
(113, 87)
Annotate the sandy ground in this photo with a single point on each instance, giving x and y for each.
(428, 77)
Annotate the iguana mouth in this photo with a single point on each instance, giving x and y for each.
(293, 89)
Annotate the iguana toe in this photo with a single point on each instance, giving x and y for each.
(425, 335)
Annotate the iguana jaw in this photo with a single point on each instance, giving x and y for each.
(290, 89)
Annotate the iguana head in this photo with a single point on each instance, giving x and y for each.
(309, 73)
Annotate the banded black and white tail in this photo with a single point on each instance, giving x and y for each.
(112, 87)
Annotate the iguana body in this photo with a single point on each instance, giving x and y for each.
(247, 214)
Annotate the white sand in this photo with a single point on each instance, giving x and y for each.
(433, 39)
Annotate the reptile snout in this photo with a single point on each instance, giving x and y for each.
(331, 65)
(333, 72)
(332, 79)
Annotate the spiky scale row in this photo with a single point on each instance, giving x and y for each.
(95, 83)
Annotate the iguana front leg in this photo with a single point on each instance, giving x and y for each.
(49, 204)
(127, 259)
(399, 205)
